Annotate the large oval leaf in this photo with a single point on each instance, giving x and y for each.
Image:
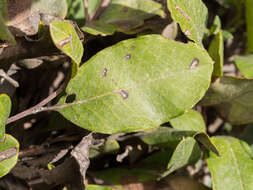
(5, 109)
(137, 84)
(234, 168)
(191, 16)
(8, 154)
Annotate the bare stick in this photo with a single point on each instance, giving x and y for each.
(86, 8)
(9, 79)
(100, 10)
(39, 107)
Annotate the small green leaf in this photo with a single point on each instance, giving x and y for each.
(245, 65)
(3, 9)
(234, 168)
(216, 51)
(131, 87)
(165, 136)
(191, 16)
(123, 16)
(249, 23)
(66, 39)
(191, 120)
(111, 146)
(205, 140)
(216, 27)
(57, 8)
(99, 28)
(227, 35)
(5, 109)
(119, 10)
(232, 97)
(5, 34)
(96, 187)
(247, 136)
(187, 152)
(8, 154)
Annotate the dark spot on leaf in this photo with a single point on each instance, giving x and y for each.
(123, 94)
(132, 47)
(128, 56)
(65, 41)
(194, 63)
(70, 98)
(104, 72)
(183, 13)
(7, 154)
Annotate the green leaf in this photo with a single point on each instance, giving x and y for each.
(57, 8)
(187, 152)
(8, 154)
(5, 34)
(76, 11)
(66, 39)
(216, 51)
(165, 136)
(232, 97)
(96, 187)
(5, 109)
(249, 23)
(216, 27)
(227, 35)
(233, 169)
(123, 16)
(3, 9)
(99, 28)
(137, 84)
(111, 146)
(205, 140)
(245, 65)
(247, 136)
(119, 10)
(191, 16)
(191, 120)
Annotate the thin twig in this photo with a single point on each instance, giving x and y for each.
(100, 10)
(35, 109)
(8, 78)
(86, 9)
(38, 107)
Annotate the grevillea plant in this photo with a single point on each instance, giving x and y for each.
(157, 74)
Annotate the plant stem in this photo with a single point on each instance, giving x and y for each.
(100, 10)
(86, 8)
